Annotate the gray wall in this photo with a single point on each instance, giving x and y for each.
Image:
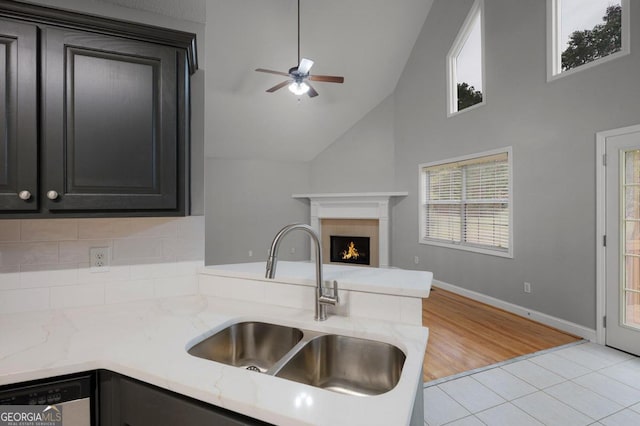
(551, 127)
(197, 141)
(361, 160)
(247, 202)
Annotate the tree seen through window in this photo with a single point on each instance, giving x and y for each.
(465, 63)
(588, 45)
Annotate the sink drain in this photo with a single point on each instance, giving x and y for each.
(252, 368)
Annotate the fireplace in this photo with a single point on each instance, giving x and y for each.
(351, 250)
(337, 236)
(362, 214)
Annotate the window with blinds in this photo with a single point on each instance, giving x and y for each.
(466, 203)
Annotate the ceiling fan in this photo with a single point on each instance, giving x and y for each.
(299, 76)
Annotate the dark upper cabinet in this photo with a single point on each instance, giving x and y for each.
(18, 116)
(110, 123)
(98, 115)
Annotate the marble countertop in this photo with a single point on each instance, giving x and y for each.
(393, 281)
(147, 340)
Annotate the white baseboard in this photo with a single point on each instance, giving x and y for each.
(560, 324)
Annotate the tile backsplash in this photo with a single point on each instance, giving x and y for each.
(44, 263)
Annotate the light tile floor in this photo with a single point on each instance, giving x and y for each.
(577, 384)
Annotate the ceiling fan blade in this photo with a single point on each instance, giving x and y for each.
(327, 78)
(278, 86)
(312, 92)
(305, 66)
(272, 72)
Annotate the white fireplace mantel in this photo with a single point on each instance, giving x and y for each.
(360, 205)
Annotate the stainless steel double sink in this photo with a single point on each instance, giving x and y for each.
(338, 363)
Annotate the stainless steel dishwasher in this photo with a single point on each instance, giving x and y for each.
(74, 393)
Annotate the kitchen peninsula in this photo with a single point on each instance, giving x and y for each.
(148, 341)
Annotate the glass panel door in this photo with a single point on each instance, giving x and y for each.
(622, 251)
(630, 232)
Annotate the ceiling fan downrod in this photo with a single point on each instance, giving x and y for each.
(298, 32)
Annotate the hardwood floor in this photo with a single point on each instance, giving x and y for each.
(465, 334)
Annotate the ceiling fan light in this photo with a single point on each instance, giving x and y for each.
(299, 89)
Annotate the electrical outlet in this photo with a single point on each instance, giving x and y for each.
(293, 250)
(527, 287)
(416, 260)
(99, 259)
(250, 253)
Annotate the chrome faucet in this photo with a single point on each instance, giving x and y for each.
(322, 300)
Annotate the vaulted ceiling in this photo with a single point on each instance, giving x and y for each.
(366, 41)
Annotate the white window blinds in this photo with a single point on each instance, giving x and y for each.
(467, 202)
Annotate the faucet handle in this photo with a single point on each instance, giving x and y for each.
(271, 266)
(331, 299)
(335, 291)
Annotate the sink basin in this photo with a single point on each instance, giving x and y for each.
(255, 346)
(343, 364)
(347, 365)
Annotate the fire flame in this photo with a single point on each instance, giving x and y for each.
(351, 252)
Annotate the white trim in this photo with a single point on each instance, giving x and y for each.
(601, 225)
(586, 66)
(551, 321)
(456, 47)
(554, 66)
(421, 202)
(359, 195)
(465, 247)
(552, 31)
(461, 158)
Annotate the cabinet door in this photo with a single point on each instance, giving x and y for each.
(111, 134)
(125, 401)
(18, 117)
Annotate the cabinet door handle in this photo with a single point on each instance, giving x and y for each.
(52, 195)
(24, 195)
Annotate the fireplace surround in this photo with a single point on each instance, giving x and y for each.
(354, 206)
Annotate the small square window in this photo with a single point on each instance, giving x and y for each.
(585, 33)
